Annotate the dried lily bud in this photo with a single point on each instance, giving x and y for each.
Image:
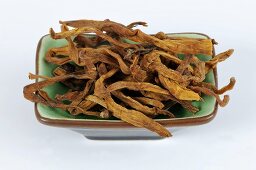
(123, 72)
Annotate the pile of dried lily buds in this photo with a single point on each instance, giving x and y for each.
(123, 72)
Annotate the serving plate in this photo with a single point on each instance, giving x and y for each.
(95, 128)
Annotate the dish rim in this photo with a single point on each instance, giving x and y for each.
(121, 124)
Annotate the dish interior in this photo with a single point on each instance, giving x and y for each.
(206, 106)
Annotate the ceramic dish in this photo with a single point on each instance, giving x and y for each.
(94, 128)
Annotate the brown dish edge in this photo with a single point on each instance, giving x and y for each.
(121, 124)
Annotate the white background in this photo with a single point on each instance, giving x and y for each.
(228, 142)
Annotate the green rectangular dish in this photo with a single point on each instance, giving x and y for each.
(95, 128)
